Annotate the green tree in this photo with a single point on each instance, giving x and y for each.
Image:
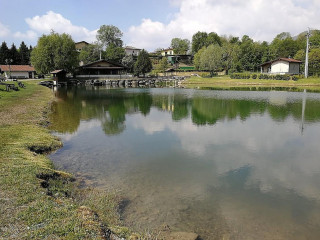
(114, 53)
(180, 46)
(24, 54)
(90, 53)
(199, 40)
(4, 53)
(212, 59)
(143, 63)
(128, 61)
(283, 45)
(54, 51)
(314, 61)
(110, 35)
(163, 65)
(247, 53)
(231, 54)
(315, 39)
(14, 55)
(213, 38)
(197, 58)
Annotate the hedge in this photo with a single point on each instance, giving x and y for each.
(285, 77)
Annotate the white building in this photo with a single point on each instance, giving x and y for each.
(281, 66)
(166, 52)
(18, 71)
(132, 51)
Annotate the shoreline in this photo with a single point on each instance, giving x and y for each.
(224, 82)
(36, 200)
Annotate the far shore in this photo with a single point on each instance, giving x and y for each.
(225, 82)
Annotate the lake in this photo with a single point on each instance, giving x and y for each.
(223, 164)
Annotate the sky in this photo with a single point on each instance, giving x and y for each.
(151, 24)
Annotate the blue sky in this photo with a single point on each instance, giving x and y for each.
(151, 24)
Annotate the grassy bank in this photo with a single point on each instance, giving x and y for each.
(36, 201)
(224, 82)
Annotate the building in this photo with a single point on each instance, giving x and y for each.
(100, 69)
(132, 51)
(81, 45)
(281, 66)
(166, 52)
(59, 75)
(18, 71)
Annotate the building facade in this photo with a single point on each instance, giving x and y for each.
(132, 51)
(18, 71)
(281, 66)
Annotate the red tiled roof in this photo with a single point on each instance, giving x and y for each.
(282, 59)
(17, 68)
(289, 60)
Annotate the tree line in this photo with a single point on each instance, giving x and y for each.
(210, 51)
(20, 56)
(216, 53)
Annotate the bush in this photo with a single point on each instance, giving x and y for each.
(205, 75)
(254, 76)
(295, 77)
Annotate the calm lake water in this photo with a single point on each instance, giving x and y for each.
(223, 164)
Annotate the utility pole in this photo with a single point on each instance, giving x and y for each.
(306, 67)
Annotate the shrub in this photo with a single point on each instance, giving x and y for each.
(254, 76)
(295, 77)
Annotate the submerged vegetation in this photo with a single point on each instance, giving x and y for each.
(37, 201)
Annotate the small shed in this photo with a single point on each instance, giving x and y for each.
(59, 75)
(281, 66)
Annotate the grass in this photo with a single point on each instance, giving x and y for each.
(37, 201)
(225, 82)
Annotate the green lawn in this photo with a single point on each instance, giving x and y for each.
(226, 82)
(37, 201)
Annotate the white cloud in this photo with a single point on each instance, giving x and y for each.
(29, 35)
(260, 19)
(55, 21)
(4, 30)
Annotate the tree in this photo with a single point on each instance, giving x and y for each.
(109, 34)
(283, 45)
(24, 54)
(314, 61)
(163, 65)
(4, 53)
(180, 46)
(213, 38)
(143, 63)
(247, 53)
(128, 61)
(14, 55)
(231, 52)
(212, 59)
(199, 40)
(90, 53)
(54, 51)
(114, 53)
(197, 58)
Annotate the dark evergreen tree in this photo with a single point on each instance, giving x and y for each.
(24, 54)
(4, 53)
(14, 55)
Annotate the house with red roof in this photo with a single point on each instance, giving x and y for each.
(281, 66)
(18, 71)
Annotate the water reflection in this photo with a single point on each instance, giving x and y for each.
(224, 164)
(111, 107)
